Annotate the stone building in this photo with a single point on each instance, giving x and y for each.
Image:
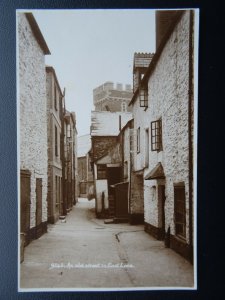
(163, 123)
(32, 138)
(106, 154)
(134, 180)
(54, 115)
(108, 97)
(136, 192)
(85, 175)
(70, 161)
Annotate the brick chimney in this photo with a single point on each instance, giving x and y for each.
(163, 19)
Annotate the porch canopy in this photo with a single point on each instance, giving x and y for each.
(156, 173)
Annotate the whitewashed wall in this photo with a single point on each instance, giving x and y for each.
(33, 119)
(168, 99)
(101, 185)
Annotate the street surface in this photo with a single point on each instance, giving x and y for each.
(83, 252)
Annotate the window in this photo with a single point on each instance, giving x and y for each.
(83, 170)
(56, 190)
(143, 96)
(138, 140)
(146, 147)
(131, 139)
(89, 164)
(83, 187)
(55, 97)
(125, 170)
(68, 131)
(156, 135)
(56, 141)
(101, 172)
(123, 107)
(180, 211)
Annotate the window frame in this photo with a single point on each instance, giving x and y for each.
(147, 147)
(101, 171)
(56, 141)
(156, 135)
(125, 170)
(143, 96)
(138, 140)
(124, 106)
(180, 211)
(55, 97)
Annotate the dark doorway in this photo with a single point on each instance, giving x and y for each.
(121, 201)
(25, 203)
(38, 207)
(161, 199)
(83, 188)
(113, 177)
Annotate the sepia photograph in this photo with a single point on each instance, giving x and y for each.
(107, 114)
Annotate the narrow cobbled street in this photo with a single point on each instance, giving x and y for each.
(83, 252)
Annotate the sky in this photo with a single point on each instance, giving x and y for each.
(90, 47)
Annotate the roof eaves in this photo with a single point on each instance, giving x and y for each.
(37, 33)
(133, 99)
(126, 125)
(51, 69)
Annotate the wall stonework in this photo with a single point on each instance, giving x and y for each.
(101, 145)
(54, 161)
(137, 196)
(113, 105)
(33, 116)
(168, 100)
(110, 97)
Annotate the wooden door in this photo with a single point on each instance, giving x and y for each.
(25, 203)
(121, 206)
(38, 206)
(163, 209)
(113, 175)
(83, 188)
(162, 198)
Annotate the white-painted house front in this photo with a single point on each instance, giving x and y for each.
(32, 138)
(163, 122)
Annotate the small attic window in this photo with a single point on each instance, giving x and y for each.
(143, 96)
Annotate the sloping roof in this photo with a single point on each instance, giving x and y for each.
(142, 60)
(83, 145)
(105, 123)
(156, 173)
(37, 33)
(52, 70)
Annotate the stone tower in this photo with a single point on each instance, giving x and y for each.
(114, 98)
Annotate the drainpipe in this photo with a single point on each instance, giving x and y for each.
(119, 123)
(190, 122)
